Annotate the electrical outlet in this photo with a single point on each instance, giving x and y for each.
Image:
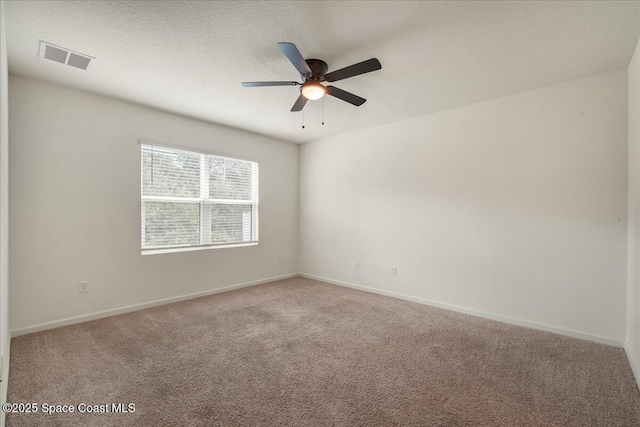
(279, 258)
(356, 265)
(392, 270)
(84, 287)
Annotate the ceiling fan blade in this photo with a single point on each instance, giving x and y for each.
(299, 105)
(354, 70)
(291, 51)
(345, 96)
(259, 84)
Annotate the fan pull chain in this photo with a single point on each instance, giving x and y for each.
(152, 165)
(323, 111)
(302, 119)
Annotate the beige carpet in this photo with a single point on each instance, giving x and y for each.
(304, 353)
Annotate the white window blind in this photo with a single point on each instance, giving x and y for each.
(192, 199)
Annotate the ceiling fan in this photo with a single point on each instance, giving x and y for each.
(313, 72)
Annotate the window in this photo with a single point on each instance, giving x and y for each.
(194, 200)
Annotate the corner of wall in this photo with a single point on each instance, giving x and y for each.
(5, 339)
(632, 343)
(298, 198)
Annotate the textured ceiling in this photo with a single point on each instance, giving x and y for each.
(190, 57)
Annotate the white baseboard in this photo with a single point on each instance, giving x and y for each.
(5, 381)
(634, 368)
(142, 306)
(491, 316)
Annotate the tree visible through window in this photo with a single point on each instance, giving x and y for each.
(195, 199)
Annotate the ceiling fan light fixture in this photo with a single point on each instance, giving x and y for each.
(313, 91)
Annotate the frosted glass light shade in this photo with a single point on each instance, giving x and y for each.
(313, 91)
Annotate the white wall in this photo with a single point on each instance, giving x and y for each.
(5, 337)
(75, 206)
(515, 207)
(633, 241)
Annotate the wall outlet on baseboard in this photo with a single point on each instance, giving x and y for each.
(83, 287)
(392, 270)
(356, 265)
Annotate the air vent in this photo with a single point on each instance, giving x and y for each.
(65, 56)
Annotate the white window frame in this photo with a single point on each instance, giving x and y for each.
(204, 201)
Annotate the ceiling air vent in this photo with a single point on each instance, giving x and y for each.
(65, 56)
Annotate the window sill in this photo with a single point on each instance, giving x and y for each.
(196, 248)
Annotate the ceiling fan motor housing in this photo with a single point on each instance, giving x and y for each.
(318, 69)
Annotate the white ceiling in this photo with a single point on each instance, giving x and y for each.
(190, 57)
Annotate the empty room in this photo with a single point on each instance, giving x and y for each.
(319, 213)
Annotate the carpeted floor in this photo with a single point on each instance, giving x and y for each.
(304, 353)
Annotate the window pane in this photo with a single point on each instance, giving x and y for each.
(231, 223)
(229, 179)
(171, 224)
(170, 173)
